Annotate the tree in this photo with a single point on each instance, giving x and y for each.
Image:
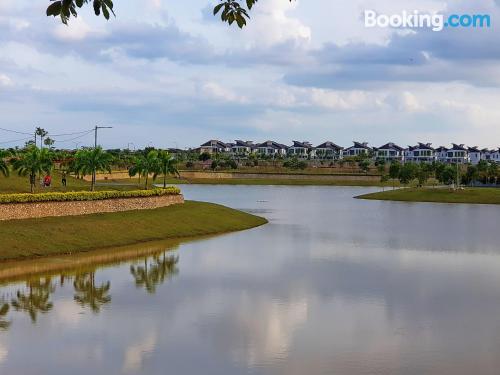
(90, 161)
(148, 165)
(407, 173)
(230, 10)
(42, 133)
(32, 162)
(383, 179)
(4, 166)
(394, 169)
(364, 165)
(204, 156)
(48, 142)
(167, 166)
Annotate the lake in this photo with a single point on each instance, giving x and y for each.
(332, 285)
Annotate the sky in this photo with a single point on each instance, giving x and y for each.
(167, 73)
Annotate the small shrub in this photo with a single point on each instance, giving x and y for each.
(85, 195)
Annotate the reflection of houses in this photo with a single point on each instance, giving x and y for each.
(358, 148)
(242, 147)
(301, 150)
(389, 152)
(329, 150)
(421, 153)
(271, 148)
(214, 146)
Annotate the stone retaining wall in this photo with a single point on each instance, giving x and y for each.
(12, 211)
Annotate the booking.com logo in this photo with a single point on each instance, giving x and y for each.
(436, 21)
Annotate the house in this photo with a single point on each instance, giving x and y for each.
(441, 154)
(389, 152)
(301, 150)
(271, 148)
(421, 153)
(495, 155)
(329, 150)
(359, 148)
(486, 154)
(214, 146)
(474, 155)
(457, 154)
(242, 147)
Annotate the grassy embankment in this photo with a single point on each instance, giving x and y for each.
(64, 235)
(302, 181)
(439, 195)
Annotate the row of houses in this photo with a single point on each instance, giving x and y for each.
(420, 153)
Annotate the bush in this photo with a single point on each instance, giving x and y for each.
(85, 195)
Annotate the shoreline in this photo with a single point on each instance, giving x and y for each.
(438, 195)
(55, 236)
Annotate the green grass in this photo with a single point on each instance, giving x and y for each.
(306, 181)
(63, 235)
(439, 195)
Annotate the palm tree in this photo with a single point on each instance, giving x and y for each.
(42, 133)
(87, 293)
(48, 142)
(167, 166)
(90, 161)
(4, 167)
(32, 162)
(146, 166)
(37, 298)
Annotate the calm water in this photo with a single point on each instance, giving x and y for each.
(331, 285)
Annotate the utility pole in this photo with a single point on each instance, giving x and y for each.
(95, 147)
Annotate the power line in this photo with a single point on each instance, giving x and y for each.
(15, 131)
(16, 140)
(72, 139)
(62, 135)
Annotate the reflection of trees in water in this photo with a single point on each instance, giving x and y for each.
(88, 294)
(155, 272)
(36, 299)
(4, 309)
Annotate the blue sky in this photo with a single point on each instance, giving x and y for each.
(168, 74)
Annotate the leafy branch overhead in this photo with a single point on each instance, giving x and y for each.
(231, 11)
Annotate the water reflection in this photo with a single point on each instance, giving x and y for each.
(331, 286)
(36, 296)
(36, 299)
(87, 293)
(154, 271)
(4, 310)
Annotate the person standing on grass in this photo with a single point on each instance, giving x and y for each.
(63, 179)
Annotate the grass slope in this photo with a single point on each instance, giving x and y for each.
(468, 195)
(305, 181)
(63, 235)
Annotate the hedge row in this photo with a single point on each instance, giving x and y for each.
(85, 195)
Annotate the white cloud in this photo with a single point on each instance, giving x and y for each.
(137, 353)
(77, 30)
(5, 80)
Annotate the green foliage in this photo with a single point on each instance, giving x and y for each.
(204, 156)
(231, 11)
(408, 173)
(89, 161)
(364, 165)
(4, 167)
(85, 195)
(67, 8)
(394, 169)
(295, 164)
(32, 162)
